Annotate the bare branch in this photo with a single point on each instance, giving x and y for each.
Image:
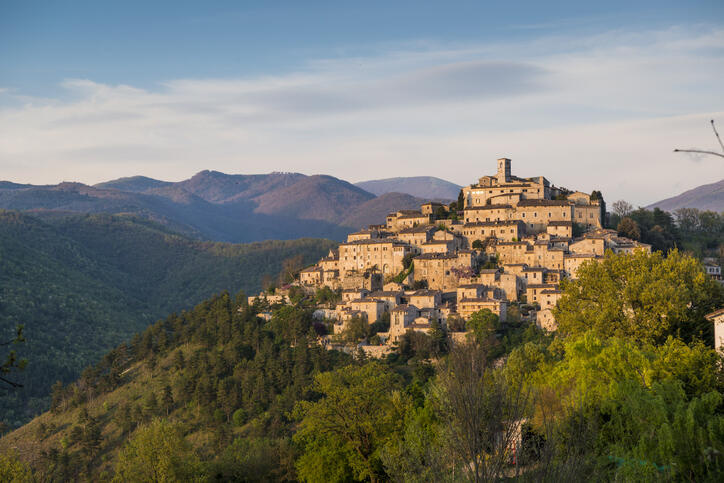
(717, 135)
(698, 151)
(701, 151)
(11, 383)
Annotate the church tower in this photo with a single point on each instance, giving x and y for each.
(503, 171)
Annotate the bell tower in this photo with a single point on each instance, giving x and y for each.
(503, 170)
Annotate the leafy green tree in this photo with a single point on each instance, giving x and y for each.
(642, 296)
(652, 409)
(361, 410)
(629, 228)
(157, 452)
(357, 329)
(482, 325)
(256, 460)
(14, 470)
(417, 455)
(167, 399)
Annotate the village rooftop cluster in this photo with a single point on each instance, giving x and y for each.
(507, 241)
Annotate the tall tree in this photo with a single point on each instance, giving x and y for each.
(481, 413)
(360, 410)
(157, 453)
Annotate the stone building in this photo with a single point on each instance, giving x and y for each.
(717, 318)
(525, 225)
(384, 254)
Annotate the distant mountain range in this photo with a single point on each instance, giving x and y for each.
(426, 187)
(222, 207)
(704, 197)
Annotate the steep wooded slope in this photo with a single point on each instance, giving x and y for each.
(83, 284)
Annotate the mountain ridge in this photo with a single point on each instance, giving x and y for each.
(705, 197)
(426, 187)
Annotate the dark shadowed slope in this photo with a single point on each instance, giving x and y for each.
(314, 197)
(704, 197)
(427, 187)
(83, 284)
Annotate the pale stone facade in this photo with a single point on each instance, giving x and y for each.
(525, 226)
(717, 318)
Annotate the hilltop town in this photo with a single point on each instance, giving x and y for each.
(505, 245)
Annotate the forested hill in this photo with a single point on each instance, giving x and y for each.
(218, 394)
(81, 285)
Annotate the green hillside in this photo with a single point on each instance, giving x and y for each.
(82, 285)
(218, 394)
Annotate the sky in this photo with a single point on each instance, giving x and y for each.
(592, 95)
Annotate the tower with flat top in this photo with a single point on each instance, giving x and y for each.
(503, 171)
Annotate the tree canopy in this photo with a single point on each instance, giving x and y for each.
(645, 297)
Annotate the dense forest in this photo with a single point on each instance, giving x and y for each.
(80, 285)
(629, 388)
(699, 232)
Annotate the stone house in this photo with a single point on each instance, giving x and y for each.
(572, 261)
(560, 229)
(443, 271)
(363, 235)
(717, 318)
(488, 213)
(391, 298)
(534, 292)
(503, 230)
(384, 254)
(311, 276)
(537, 214)
(350, 294)
(417, 236)
(467, 307)
(424, 299)
(431, 207)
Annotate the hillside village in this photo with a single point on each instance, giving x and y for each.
(507, 242)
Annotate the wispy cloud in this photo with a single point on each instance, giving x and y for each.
(598, 112)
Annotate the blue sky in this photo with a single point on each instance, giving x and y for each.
(594, 95)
